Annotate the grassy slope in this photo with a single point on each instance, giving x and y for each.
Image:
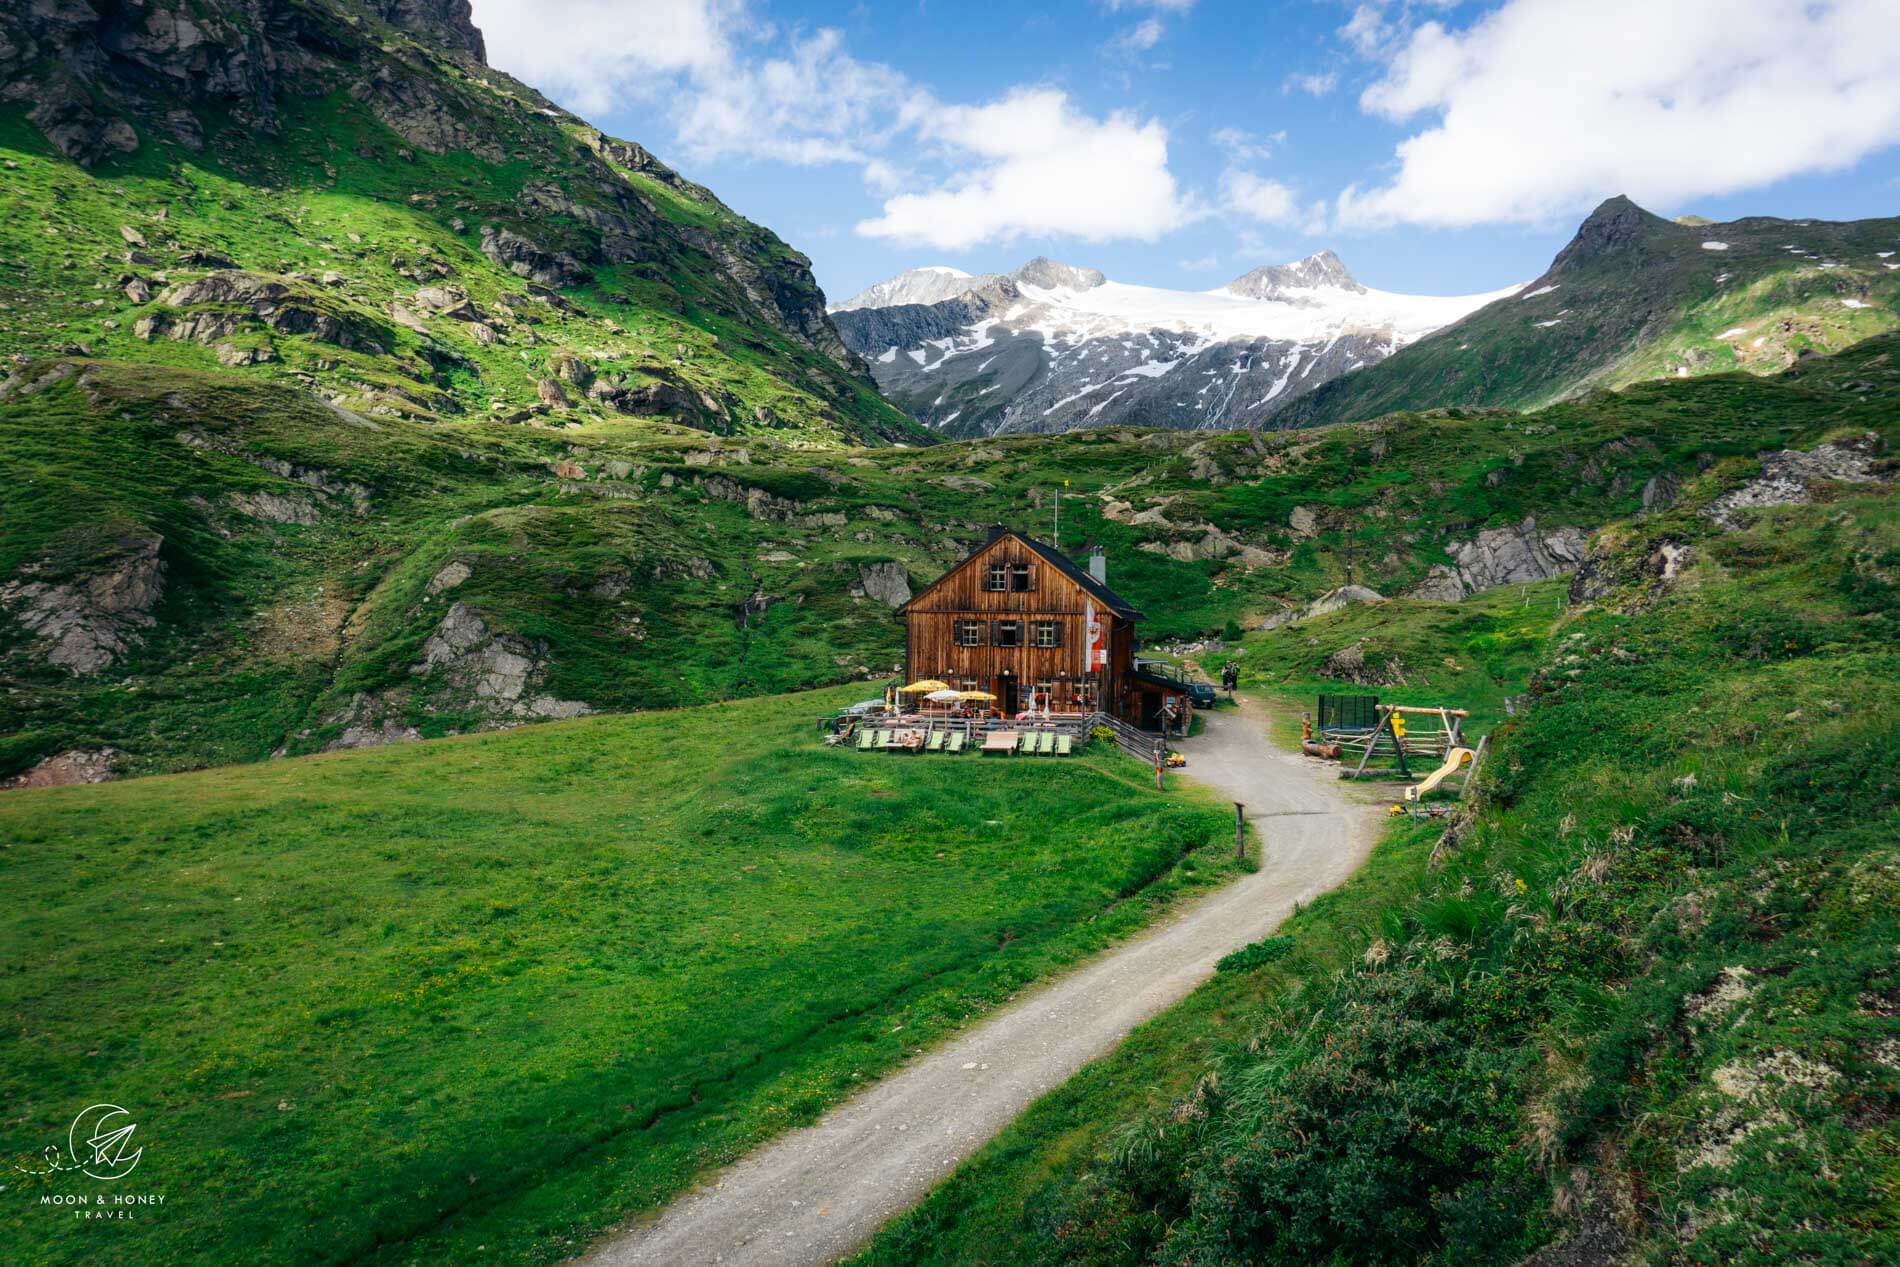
(1647, 1001)
(268, 631)
(1653, 303)
(391, 1006)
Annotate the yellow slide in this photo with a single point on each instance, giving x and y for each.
(1453, 759)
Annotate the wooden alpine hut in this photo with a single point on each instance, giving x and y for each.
(1023, 622)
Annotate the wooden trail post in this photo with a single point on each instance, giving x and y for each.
(1240, 835)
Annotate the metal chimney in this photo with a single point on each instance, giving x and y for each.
(1098, 566)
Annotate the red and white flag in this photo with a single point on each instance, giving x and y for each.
(1098, 646)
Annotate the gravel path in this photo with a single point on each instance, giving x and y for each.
(821, 1191)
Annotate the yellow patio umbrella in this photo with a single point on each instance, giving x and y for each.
(927, 685)
(975, 695)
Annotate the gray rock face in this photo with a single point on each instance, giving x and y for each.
(1504, 556)
(887, 582)
(494, 673)
(524, 258)
(276, 508)
(1660, 491)
(65, 769)
(1788, 476)
(85, 624)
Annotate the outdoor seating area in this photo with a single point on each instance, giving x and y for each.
(954, 724)
(991, 737)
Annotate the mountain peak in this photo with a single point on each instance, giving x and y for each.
(1050, 274)
(1616, 225)
(1274, 281)
(929, 284)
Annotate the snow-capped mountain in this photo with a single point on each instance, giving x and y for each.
(928, 285)
(1051, 346)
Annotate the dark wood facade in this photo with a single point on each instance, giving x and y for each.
(1013, 619)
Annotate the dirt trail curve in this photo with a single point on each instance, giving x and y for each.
(821, 1191)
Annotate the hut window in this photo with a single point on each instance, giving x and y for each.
(997, 578)
(1047, 633)
(1009, 633)
(1019, 578)
(969, 633)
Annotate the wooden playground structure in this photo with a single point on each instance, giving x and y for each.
(1358, 726)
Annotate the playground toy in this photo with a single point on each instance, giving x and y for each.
(1453, 759)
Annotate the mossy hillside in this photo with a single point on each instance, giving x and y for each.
(622, 553)
(557, 973)
(1635, 297)
(355, 222)
(1642, 998)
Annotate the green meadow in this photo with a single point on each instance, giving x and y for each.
(481, 997)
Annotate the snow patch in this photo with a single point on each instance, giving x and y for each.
(890, 354)
(1854, 303)
(1730, 334)
(1541, 290)
(1715, 246)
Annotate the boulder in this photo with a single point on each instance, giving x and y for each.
(1660, 491)
(1303, 522)
(887, 582)
(450, 301)
(1352, 664)
(551, 394)
(525, 258)
(275, 507)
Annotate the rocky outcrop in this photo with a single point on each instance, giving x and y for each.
(887, 582)
(1325, 605)
(66, 769)
(85, 623)
(492, 673)
(1615, 560)
(1503, 556)
(524, 257)
(1788, 477)
(220, 304)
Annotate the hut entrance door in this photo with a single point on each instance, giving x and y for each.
(1006, 696)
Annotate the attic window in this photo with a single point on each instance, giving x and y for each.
(1019, 578)
(1009, 633)
(997, 579)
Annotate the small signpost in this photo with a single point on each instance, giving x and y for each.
(1240, 834)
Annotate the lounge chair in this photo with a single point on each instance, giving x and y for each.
(1026, 742)
(936, 740)
(883, 739)
(866, 738)
(956, 741)
(1065, 745)
(1004, 741)
(1046, 744)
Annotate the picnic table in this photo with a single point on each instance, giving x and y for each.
(1000, 741)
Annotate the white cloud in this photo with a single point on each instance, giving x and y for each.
(1200, 264)
(1244, 146)
(1258, 198)
(1140, 37)
(1318, 83)
(1543, 107)
(735, 88)
(1032, 164)
(1166, 6)
(593, 54)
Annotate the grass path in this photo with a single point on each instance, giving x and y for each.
(818, 1192)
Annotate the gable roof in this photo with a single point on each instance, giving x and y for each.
(1055, 559)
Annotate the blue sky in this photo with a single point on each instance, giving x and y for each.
(1440, 147)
